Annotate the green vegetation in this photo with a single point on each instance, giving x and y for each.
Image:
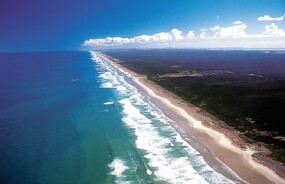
(254, 112)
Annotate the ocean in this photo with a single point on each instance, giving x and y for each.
(72, 117)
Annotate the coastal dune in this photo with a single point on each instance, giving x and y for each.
(221, 149)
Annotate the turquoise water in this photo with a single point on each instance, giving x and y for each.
(71, 117)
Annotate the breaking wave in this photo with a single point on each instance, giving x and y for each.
(168, 157)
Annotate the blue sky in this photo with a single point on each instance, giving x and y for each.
(66, 24)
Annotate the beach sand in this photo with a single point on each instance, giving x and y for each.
(220, 145)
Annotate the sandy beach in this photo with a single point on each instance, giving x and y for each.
(220, 145)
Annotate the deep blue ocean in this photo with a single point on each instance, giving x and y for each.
(71, 117)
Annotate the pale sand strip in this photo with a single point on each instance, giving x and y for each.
(240, 161)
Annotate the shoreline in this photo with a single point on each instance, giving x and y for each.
(223, 141)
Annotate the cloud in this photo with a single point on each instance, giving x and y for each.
(273, 30)
(235, 31)
(176, 34)
(161, 37)
(107, 41)
(214, 37)
(203, 35)
(269, 18)
(216, 28)
(173, 35)
(142, 39)
(237, 22)
(204, 30)
(190, 34)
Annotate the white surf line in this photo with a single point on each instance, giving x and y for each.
(180, 139)
(118, 167)
(108, 103)
(166, 164)
(219, 137)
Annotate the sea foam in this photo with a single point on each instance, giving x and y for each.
(168, 157)
(118, 167)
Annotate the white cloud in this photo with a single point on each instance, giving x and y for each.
(142, 39)
(161, 37)
(237, 22)
(216, 28)
(173, 35)
(269, 18)
(235, 31)
(176, 34)
(273, 30)
(190, 34)
(204, 30)
(203, 35)
(214, 37)
(107, 41)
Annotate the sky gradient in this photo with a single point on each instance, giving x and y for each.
(67, 24)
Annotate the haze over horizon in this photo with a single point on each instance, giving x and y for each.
(66, 25)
